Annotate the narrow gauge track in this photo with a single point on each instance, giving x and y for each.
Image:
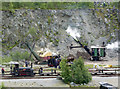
(36, 76)
(94, 72)
(105, 75)
(27, 77)
(54, 76)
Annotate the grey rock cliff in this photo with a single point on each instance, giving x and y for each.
(52, 24)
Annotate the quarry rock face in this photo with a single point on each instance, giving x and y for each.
(52, 26)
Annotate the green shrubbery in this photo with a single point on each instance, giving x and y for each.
(16, 56)
(45, 5)
(0, 60)
(77, 73)
(65, 71)
(6, 59)
(50, 5)
(2, 86)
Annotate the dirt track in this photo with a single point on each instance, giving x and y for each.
(105, 61)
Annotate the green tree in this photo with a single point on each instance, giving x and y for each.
(80, 74)
(0, 60)
(6, 59)
(77, 73)
(17, 55)
(2, 86)
(46, 5)
(65, 71)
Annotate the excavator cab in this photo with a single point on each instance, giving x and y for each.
(97, 52)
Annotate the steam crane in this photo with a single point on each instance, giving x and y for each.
(96, 52)
(35, 55)
(50, 60)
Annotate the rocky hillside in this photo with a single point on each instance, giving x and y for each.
(47, 29)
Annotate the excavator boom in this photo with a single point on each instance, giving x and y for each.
(34, 54)
(81, 45)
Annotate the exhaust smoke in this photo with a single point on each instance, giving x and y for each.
(113, 45)
(73, 32)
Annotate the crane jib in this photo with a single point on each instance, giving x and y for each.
(81, 45)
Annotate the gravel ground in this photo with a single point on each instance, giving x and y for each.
(34, 83)
(110, 80)
(54, 82)
(112, 61)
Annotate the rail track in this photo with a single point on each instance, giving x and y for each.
(107, 72)
(48, 75)
(28, 77)
(36, 76)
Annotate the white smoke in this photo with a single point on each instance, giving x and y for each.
(73, 32)
(113, 45)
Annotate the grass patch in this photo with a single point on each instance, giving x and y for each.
(89, 66)
(84, 86)
(115, 65)
(2, 86)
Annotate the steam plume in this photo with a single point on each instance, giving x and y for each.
(73, 32)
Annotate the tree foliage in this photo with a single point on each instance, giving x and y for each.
(77, 73)
(50, 5)
(46, 5)
(9, 41)
(6, 59)
(65, 71)
(0, 60)
(17, 55)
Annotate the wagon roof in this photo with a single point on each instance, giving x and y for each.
(13, 62)
(97, 47)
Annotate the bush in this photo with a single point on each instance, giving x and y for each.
(6, 59)
(0, 60)
(65, 71)
(2, 86)
(80, 74)
(46, 5)
(16, 56)
(77, 73)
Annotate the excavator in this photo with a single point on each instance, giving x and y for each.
(96, 52)
(51, 60)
